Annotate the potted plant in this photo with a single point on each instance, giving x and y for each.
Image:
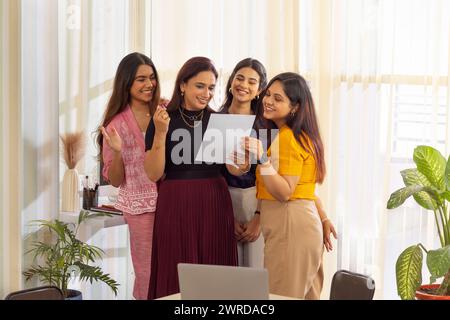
(66, 256)
(429, 184)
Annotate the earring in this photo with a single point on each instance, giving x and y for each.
(292, 113)
(257, 97)
(182, 93)
(229, 90)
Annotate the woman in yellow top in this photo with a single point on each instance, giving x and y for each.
(285, 182)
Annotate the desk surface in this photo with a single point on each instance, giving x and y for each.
(101, 222)
(177, 296)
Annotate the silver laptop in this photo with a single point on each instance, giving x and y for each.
(211, 282)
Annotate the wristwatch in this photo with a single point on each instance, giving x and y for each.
(263, 159)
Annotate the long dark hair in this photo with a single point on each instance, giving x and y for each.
(190, 69)
(304, 123)
(123, 81)
(259, 68)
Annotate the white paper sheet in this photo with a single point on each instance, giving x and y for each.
(223, 136)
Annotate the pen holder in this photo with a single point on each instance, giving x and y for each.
(90, 198)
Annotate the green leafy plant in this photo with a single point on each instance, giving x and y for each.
(66, 256)
(429, 184)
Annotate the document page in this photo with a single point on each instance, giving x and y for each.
(223, 136)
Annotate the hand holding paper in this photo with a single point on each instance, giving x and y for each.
(222, 139)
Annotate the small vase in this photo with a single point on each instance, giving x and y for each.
(70, 197)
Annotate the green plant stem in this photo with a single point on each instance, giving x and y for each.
(444, 226)
(439, 228)
(447, 223)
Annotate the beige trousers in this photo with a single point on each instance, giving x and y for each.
(293, 248)
(250, 254)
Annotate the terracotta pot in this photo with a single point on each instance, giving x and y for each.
(427, 296)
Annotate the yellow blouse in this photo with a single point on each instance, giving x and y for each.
(290, 159)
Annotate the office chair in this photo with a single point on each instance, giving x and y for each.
(347, 285)
(38, 293)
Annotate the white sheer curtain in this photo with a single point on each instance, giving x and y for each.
(29, 130)
(382, 83)
(226, 31)
(10, 132)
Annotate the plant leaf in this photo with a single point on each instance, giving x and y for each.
(445, 195)
(431, 163)
(438, 261)
(414, 177)
(408, 271)
(447, 174)
(398, 197)
(64, 251)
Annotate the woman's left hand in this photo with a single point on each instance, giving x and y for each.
(328, 229)
(252, 230)
(254, 146)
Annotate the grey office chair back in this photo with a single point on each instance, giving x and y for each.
(38, 293)
(347, 285)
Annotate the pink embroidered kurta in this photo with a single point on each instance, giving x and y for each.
(137, 197)
(137, 194)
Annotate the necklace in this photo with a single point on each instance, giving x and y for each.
(136, 113)
(193, 117)
(197, 117)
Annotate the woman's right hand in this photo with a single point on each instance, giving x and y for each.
(238, 230)
(161, 119)
(241, 162)
(112, 139)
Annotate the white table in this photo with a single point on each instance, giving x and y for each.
(98, 222)
(177, 296)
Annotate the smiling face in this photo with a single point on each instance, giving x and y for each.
(199, 90)
(245, 85)
(277, 106)
(144, 85)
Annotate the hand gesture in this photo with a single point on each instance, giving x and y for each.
(161, 119)
(253, 146)
(238, 230)
(252, 230)
(112, 139)
(163, 102)
(328, 229)
(241, 162)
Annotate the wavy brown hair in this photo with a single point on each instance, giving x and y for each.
(120, 97)
(304, 123)
(259, 69)
(190, 69)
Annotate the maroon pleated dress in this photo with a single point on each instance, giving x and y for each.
(194, 220)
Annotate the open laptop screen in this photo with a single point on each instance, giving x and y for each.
(212, 282)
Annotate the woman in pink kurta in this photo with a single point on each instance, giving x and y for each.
(134, 99)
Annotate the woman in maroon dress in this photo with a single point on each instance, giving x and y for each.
(194, 216)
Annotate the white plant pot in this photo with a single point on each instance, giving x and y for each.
(70, 197)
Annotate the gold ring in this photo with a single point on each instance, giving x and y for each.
(165, 117)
